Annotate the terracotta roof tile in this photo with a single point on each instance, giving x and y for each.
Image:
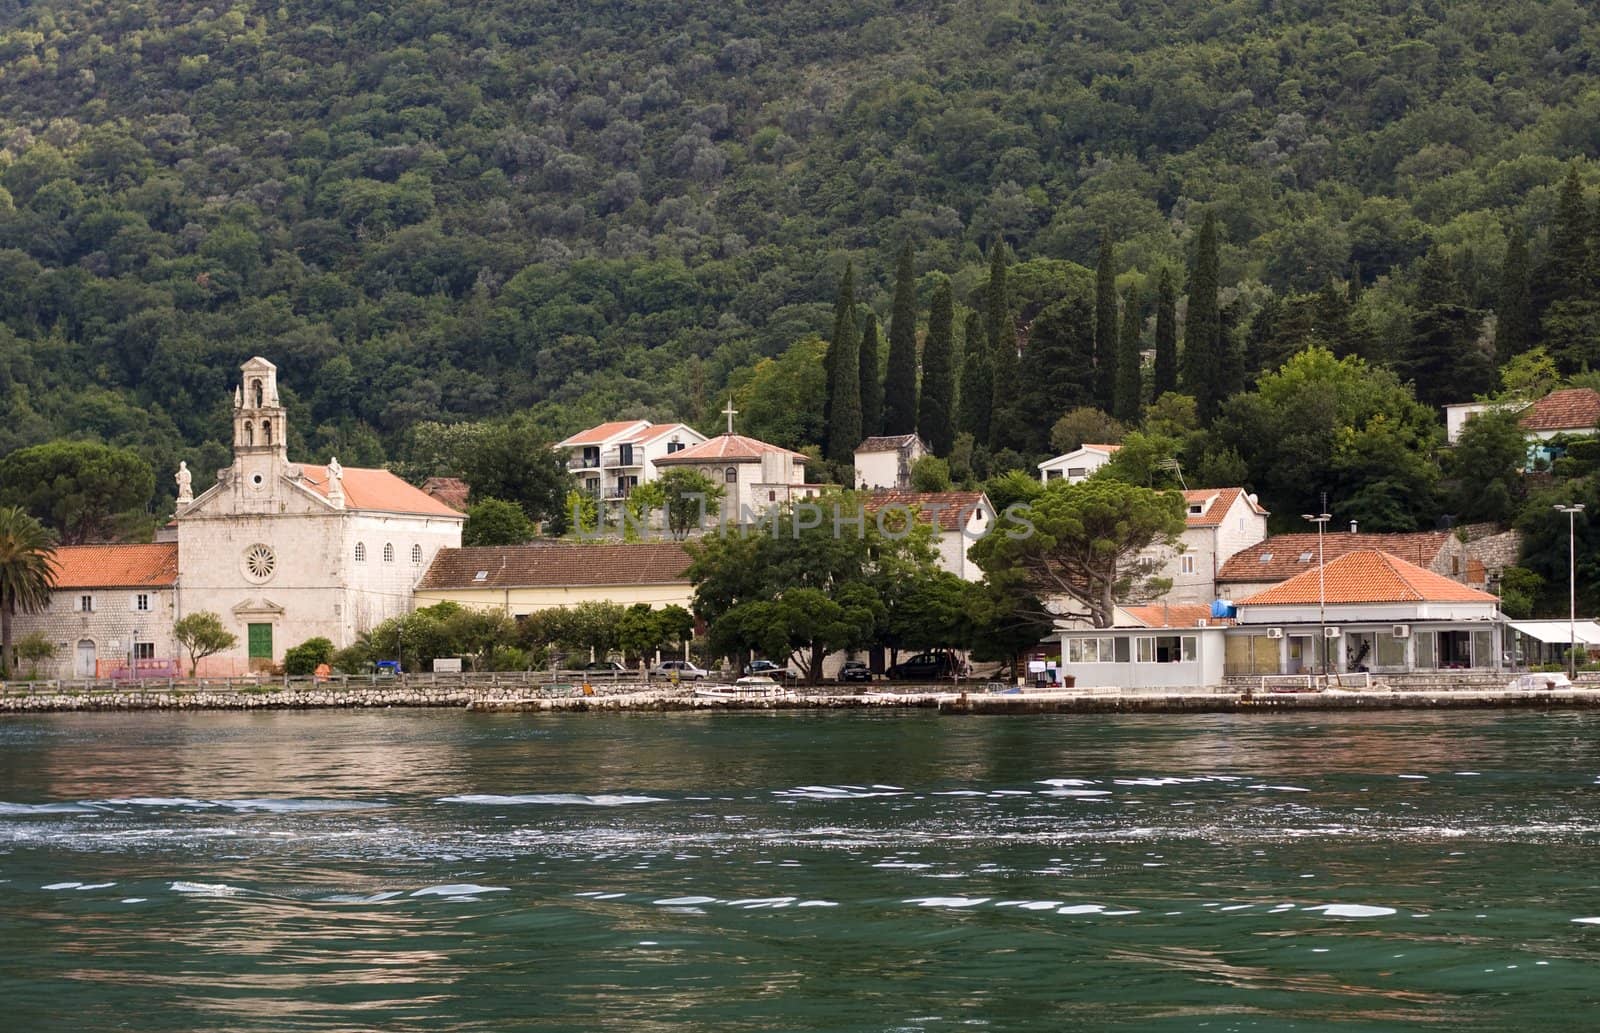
(729, 448)
(1100, 448)
(957, 504)
(1575, 408)
(1174, 615)
(1285, 555)
(604, 432)
(1214, 512)
(117, 566)
(1367, 576)
(556, 566)
(376, 490)
(452, 491)
(889, 443)
(661, 430)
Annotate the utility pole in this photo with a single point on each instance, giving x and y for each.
(1572, 512)
(1321, 520)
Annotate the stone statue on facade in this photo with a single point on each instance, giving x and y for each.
(335, 471)
(185, 484)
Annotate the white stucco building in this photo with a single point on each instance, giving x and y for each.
(885, 462)
(612, 459)
(1218, 523)
(1077, 465)
(754, 475)
(286, 551)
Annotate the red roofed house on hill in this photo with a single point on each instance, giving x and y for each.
(110, 612)
(286, 551)
(755, 475)
(611, 459)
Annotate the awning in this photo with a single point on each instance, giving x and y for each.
(1559, 632)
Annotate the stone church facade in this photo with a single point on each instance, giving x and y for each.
(286, 551)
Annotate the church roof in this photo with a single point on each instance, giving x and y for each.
(726, 448)
(558, 566)
(377, 490)
(116, 566)
(1367, 576)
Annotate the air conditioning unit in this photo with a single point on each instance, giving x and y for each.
(1274, 632)
(1401, 631)
(1332, 632)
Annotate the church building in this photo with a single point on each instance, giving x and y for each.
(285, 551)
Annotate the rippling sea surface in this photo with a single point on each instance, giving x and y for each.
(420, 870)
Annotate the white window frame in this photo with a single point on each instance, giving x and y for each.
(85, 604)
(1186, 564)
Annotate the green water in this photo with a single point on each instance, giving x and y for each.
(437, 871)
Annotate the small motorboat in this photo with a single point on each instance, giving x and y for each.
(751, 686)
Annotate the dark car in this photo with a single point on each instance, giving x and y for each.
(604, 667)
(768, 668)
(928, 667)
(855, 670)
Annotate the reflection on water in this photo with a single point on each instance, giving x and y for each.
(439, 871)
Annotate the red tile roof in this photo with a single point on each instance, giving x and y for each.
(958, 505)
(1367, 576)
(1575, 408)
(558, 566)
(1285, 555)
(889, 443)
(452, 491)
(1217, 511)
(663, 429)
(376, 490)
(117, 566)
(1098, 448)
(726, 448)
(602, 433)
(1174, 615)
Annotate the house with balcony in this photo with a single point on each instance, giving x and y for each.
(611, 459)
(1077, 465)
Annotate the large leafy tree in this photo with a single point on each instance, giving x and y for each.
(900, 378)
(1057, 370)
(1087, 543)
(1341, 429)
(496, 522)
(1444, 358)
(692, 500)
(85, 491)
(936, 415)
(27, 573)
(1485, 467)
(201, 634)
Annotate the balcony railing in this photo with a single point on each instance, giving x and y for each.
(583, 463)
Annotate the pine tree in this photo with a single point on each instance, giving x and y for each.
(1126, 401)
(870, 378)
(1202, 330)
(936, 413)
(844, 421)
(1443, 358)
(1002, 352)
(977, 381)
(1105, 326)
(1514, 327)
(1166, 371)
(844, 330)
(1057, 369)
(900, 379)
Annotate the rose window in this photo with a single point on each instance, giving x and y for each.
(259, 562)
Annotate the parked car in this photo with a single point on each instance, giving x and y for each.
(770, 669)
(855, 670)
(603, 667)
(684, 669)
(933, 666)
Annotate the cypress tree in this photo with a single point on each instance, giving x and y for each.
(900, 379)
(1166, 371)
(1202, 330)
(844, 422)
(1105, 326)
(1560, 277)
(1002, 352)
(977, 381)
(1443, 358)
(1057, 369)
(870, 378)
(844, 329)
(936, 412)
(1125, 402)
(1513, 333)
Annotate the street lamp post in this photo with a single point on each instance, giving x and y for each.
(1321, 520)
(1572, 512)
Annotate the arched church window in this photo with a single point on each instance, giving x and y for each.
(388, 552)
(255, 389)
(361, 552)
(731, 475)
(416, 555)
(266, 432)
(249, 433)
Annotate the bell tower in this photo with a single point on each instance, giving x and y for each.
(260, 429)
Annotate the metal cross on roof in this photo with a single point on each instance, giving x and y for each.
(730, 412)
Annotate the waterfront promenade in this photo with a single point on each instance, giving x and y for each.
(535, 691)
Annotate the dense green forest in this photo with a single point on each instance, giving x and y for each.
(428, 213)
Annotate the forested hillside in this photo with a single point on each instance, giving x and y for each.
(425, 211)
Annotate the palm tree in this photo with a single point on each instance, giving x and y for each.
(27, 572)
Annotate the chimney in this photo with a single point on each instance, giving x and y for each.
(1352, 527)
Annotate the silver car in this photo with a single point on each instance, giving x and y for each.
(684, 669)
